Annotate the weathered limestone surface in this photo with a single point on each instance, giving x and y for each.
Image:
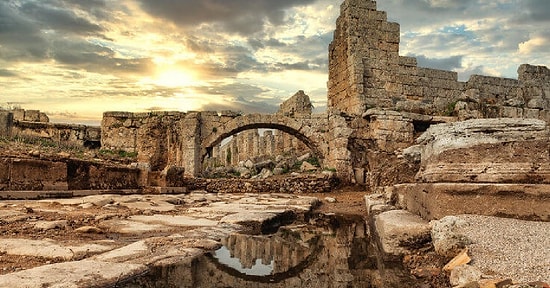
(85, 273)
(29, 174)
(437, 200)
(396, 227)
(486, 150)
(366, 71)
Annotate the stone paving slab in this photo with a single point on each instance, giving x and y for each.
(85, 273)
(50, 249)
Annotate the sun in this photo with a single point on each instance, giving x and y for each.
(174, 78)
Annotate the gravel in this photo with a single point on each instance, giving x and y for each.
(509, 248)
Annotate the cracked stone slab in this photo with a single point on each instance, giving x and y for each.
(77, 274)
(50, 249)
(170, 220)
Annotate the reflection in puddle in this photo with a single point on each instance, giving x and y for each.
(257, 269)
(329, 251)
(264, 255)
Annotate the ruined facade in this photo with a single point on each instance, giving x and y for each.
(164, 139)
(366, 71)
(257, 144)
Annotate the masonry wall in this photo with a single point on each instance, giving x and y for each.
(366, 71)
(161, 139)
(33, 123)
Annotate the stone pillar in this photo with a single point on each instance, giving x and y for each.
(255, 143)
(279, 142)
(269, 142)
(6, 122)
(234, 152)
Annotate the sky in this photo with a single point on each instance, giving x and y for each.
(75, 59)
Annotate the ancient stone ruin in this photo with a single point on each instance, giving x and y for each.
(422, 145)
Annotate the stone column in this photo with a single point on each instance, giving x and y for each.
(6, 122)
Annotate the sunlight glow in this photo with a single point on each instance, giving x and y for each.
(174, 78)
(171, 78)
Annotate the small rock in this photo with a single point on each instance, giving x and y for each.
(207, 244)
(304, 157)
(249, 164)
(64, 155)
(278, 171)
(265, 173)
(460, 259)
(473, 284)
(89, 230)
(306, 166)
(464, 274)
(445, 240)
(50, 225)
(539, 284)
(330, 200)
(86, 205)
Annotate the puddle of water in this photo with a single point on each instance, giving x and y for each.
(331, 251)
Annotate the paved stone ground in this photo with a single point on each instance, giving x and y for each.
(103, 239)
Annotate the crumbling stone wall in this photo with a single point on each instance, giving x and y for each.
(30, 174)
(250, 144)
(386, 100)
(33, 123)
(165, 139)
(366, 71)
(298, 105)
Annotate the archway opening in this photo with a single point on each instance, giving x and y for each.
(260, 153)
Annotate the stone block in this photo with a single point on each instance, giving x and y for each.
(30, 174)
(18, 114)
(437, 200)
(32, 115)
(398, 229)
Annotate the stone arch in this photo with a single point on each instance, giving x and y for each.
(295, 127)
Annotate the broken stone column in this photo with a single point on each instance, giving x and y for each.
(6, 122)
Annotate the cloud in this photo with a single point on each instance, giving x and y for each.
(449, 63)
(236, 16)
(58, 18)
(7, 73)
(533, 11)
(537, 43)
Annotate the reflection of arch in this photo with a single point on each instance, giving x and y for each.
(316, 249)
(292, 126)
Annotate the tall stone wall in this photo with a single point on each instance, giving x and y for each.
(161, 139)
(366, 71)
